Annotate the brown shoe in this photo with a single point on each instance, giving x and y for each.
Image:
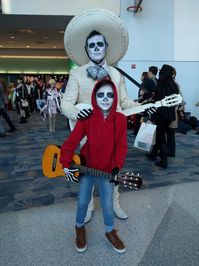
(116, 242)
(80, 242)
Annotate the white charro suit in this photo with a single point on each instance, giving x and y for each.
(78, 90)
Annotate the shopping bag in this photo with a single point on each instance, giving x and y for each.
(146, 136)
(24, 103)
(40, 103)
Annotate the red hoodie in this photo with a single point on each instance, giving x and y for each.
(106, 145)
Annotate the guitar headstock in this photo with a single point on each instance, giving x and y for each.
(130, 180)
(172, 100)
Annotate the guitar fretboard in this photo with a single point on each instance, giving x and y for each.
(140, 108)
(93, 172)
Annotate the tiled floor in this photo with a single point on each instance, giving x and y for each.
(163, 223)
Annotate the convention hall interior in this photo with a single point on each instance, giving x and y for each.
(38, 212)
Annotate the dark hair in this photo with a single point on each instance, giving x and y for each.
(145, 75)
(94, 33)
(102, 83)
(167, 70)
(153, 69)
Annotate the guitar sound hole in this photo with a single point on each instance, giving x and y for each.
(54, 162)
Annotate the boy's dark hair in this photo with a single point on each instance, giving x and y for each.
(103, 83)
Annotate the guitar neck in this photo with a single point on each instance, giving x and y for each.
(93, 172)
(140, 108)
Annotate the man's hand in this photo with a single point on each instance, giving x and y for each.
(151, 110)
(69, 175)
(84, 114)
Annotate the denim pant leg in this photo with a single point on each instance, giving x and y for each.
(85, 192)
(106, 199)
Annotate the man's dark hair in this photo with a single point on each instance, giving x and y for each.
(94, 33)
(153, 69)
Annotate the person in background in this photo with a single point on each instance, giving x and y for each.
(164, 115)
(152, 81)
(144, 95)
(105, 150)
(53, 107)
(3, 111)
(170, 131)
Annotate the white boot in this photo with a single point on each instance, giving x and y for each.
(90, 209)
(119, 212)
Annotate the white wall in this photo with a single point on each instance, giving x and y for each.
(56, 7)
(164, 32)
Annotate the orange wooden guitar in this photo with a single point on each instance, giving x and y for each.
(52, 168)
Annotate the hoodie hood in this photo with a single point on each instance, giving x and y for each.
(96, 108)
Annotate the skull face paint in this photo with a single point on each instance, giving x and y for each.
(96, 48)
(105, 98)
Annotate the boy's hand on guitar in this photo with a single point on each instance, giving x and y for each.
(69, 175)
(84, 114)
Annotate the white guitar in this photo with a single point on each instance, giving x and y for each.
(168, 101)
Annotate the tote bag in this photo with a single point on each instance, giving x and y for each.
(146, 136)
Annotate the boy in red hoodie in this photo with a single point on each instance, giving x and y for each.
(105, 149)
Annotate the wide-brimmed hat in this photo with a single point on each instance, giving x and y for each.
(103, 21)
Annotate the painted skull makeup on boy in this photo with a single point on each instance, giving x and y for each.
(96, 48)
(105, 98)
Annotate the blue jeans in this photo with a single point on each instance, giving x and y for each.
(106, 200)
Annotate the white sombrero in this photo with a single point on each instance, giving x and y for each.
(103, 21)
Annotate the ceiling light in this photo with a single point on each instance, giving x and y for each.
(34, 56)
(27, 46)
(12, 37)
(26, 31)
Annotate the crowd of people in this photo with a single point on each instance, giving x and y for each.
(168, 120)
(30, 94)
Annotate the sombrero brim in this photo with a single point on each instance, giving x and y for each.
(103, 21)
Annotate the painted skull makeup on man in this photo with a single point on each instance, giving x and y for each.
(96, 48)
(105, 98)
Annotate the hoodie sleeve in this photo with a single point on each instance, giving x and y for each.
(121, 141)
(69, 146)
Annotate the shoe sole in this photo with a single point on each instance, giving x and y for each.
(121, 218)
(119, 250)
(80, 250)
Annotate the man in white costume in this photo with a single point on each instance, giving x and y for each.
(95, 39)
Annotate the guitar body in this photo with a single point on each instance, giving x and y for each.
(51, 165)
